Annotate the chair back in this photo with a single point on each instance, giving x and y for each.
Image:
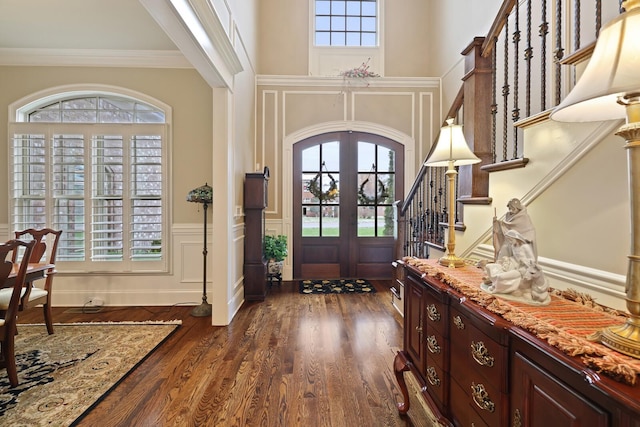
(41, 237)
(8, 251)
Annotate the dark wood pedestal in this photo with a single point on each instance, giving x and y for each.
(255, 266)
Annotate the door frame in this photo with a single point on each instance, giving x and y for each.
(346, 255)
(286, 187)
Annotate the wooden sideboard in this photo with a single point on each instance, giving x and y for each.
(477, 369)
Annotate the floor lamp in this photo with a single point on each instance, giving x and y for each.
(451, 151)
(204, 195)
(609, 88)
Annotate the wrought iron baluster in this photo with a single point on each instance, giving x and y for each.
(494, 100)
(598, 17)
(576, 25)
(543, 32)
(441, 197)
(528, 55)
(420, 241)
(515, 112)
(505, 92)
(559, 52)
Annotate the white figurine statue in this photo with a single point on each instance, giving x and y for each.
(515, 273)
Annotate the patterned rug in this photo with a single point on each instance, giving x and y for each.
(338, 286)
(62, 376)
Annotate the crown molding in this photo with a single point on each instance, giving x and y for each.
(93, 58)
(333, 81)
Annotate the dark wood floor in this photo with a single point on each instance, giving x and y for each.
(292, 360)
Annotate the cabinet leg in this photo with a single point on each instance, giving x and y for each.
(400, 365)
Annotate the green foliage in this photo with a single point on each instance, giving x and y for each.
(275, 247)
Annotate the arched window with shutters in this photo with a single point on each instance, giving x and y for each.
(95, 166)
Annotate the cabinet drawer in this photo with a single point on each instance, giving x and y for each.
(435, 378)
(435, 313)
(458, 328)
(435, 345)
(487, 357)
(461, 408)
(399, 270)
(481, 393)
(473, 347)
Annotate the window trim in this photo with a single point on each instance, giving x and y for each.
(18, 112)
(331, 60)
(330, 32)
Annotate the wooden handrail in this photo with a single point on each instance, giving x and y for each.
(497, 26)
(453, 112)
(455, 106)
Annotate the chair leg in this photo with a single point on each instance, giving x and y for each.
(48, 319)
(10, 360)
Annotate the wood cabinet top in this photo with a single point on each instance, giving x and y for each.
(555, 335)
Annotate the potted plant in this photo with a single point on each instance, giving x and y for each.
(275, 251)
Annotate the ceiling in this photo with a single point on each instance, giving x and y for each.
(80, 24)
(118, 33)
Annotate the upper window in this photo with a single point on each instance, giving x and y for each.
(95, 167)
(346, 23)
(96, 109)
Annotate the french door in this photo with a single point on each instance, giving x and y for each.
(345, 184)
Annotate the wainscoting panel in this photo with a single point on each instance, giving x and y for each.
(182, 285)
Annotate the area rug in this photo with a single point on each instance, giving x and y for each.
(64, 375)
(338, 286)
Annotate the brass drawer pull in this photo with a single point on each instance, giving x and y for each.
(432, 376)
(480, 354)
(419, 329)
(432, 344)
(481, 398)
(457, 320)
(432, 313)
(517, 419)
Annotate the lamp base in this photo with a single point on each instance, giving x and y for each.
(451, 261)
(202, 310)
(624, 338)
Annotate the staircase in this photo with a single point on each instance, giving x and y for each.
(571, 177)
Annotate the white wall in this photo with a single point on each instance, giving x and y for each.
(575, 191)
(213, 141)
(452, 25)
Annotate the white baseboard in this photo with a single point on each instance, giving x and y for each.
(606, 288)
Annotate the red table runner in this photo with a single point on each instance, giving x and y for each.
(565, 323)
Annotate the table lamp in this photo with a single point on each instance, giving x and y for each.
(451, 151)
(608, 89)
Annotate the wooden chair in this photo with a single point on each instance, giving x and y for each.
(9, 316)
(33, 295)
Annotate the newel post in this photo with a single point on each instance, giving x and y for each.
(473, 183)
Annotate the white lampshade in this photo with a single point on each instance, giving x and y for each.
(451, 146)
(613, 71)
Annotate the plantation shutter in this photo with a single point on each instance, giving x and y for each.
(146, 197)
(68, 195)
(107, 198)
(29, 180)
